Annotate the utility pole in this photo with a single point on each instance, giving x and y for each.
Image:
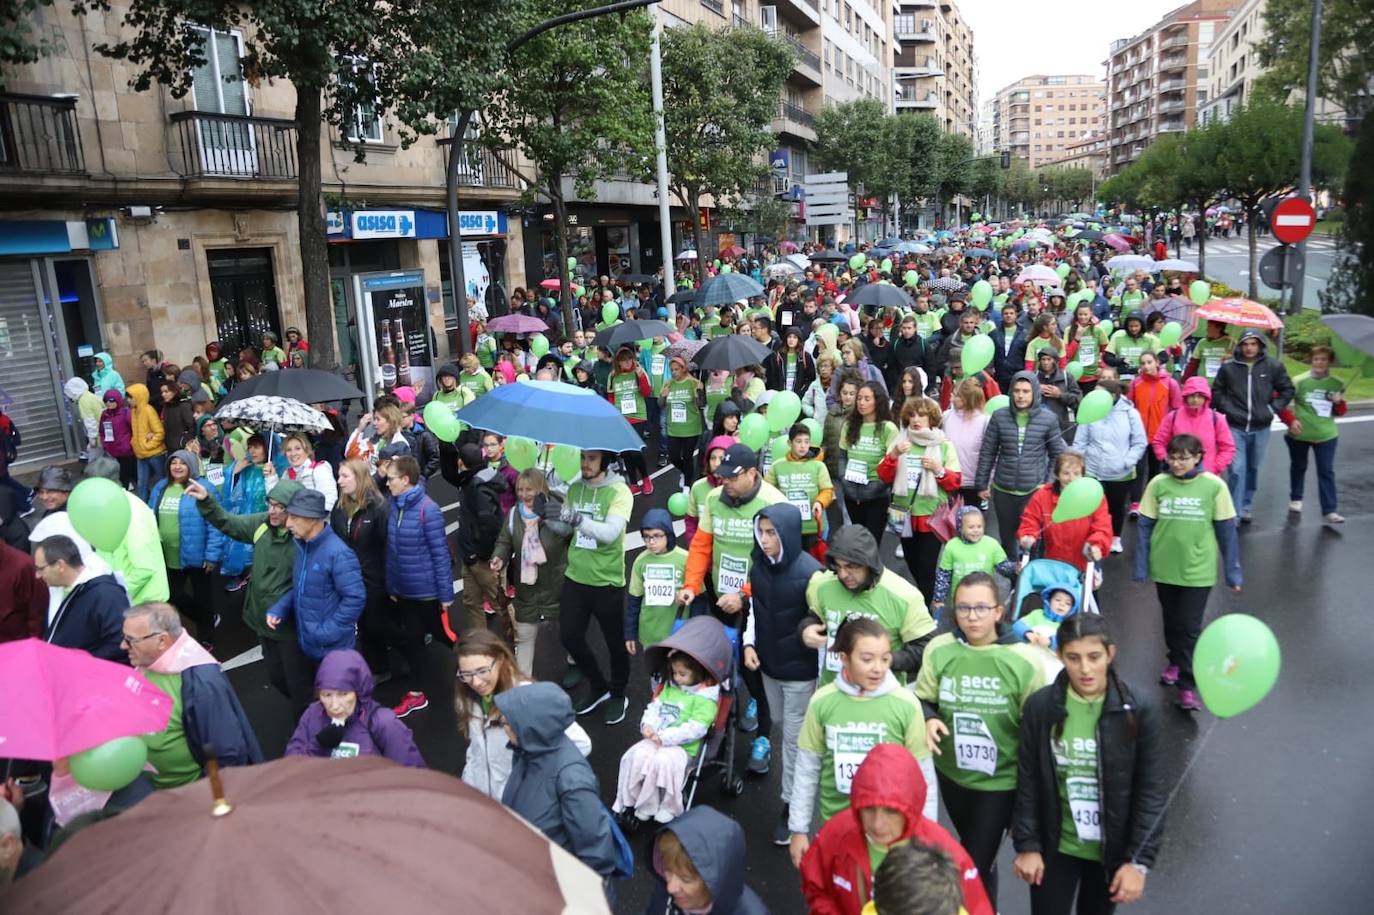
(1308, 114)
(665, 225)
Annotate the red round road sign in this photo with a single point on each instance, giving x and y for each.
(1292, 220)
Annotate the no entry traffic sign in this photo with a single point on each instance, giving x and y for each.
(1292, 220)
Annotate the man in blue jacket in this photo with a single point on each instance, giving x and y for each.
(327, 592)
(92, 606)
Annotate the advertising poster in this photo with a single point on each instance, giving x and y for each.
(400, 327)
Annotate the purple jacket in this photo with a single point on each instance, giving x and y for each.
(372, 729)
(116, 433)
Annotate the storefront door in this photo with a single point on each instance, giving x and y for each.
(245, 296)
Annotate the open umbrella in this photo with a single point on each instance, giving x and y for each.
(683, 297)
(628, 333)
(275, 849)
(978, 252)
(517, 324)
(913, 247)
(1130, 262)
(725, 288)
(553, 413)
(305, 385)
(782, 270)
(688, 255)
(882, 295)
(945, 251)
(1176, 308)
(801, 260)
(888, 242)
(1116, 241)
(828, 256)
(1356, 330)
(60, 701)
(945, 284)
(788, 246)
(1240, 312)
(641, 278)
(730, 352)
(1089, 235)
(685, 348)
(277, 414)
(732, 251)
(1176, 266)
(1038, 273)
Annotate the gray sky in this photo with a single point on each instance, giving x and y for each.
(1016, 38)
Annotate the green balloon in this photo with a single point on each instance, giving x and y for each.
(783, 411)
(753, 431)
(440, 420)
(778, 446)
(521, 452)
(567, 461)
(1075, 370)
(1236, 663)
(572, 263)
(981, 294)
(997, 403)
(111, 765)
(1107, 326)
(539, 344)
(858, 261)
(817, 433)
(977, 217)
(1199, 292)
(610, 312)
(1170, 334)
(911, 278)
(1095, 405)
(886, 265)
(1079, 499)
(1062, 270)
(977, 353)
(100, 512)
(677, 504)
(726, 268)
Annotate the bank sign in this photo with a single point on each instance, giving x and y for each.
(383, 224)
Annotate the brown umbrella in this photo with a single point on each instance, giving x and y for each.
(313, 835)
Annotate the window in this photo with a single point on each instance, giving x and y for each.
(365, 125)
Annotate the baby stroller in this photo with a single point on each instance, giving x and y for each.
(1038, 574)
(714, 646)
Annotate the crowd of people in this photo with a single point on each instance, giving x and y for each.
(895, 689)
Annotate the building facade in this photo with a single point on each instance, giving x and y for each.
(934, 69)
(1090, 152)
(1037, 118)
(1158, 80)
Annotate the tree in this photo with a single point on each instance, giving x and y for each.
(845, 134)
(1352, 281)
(1345, 58)
(758, 212)
(578, 108)
(721, 90)
(986, 181)
(953, 169)
(18, 43)
(911, 145)
(340, 56)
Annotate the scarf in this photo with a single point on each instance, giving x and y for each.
(532, 554)
(929, 441)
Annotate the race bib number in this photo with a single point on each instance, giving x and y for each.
(787, 319)
(656, 365)
(346, 750)
(913, 473)
(109, 432)
(627, 404)
(1211, 365)
(585, 541)
(803, 505)
(1083, 805)
(851, 748)
(677, 412)
(215, 474)
(734, 572)
(791, 379)
(1318, 403)
(832, 657)
(974, 748)
(660, 585)
(1087, 351)
(856, 472)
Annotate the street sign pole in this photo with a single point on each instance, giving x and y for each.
(1308, 114)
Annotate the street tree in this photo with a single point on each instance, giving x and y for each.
(1345, 57)
(910, 143)
(721, 91)
(1351, 287)
(20, 43)
(759, 212)
(579, 110)
(953, 168)
(986, 182)
(846, 140)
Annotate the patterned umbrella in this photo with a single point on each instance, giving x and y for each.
(782, 270)
(732, 251)
(687, 349)
(1241, 312)
(277, 414)
(1177, 308)
(946, 284)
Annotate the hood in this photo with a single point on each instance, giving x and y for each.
(107, 359)
(788, 522)
(1197, 385)
(1251, 334)
(345, 670)
(1035, 387)
(507, 371)
(448, 369)
(959, 520)
(538, 713)
(726, 408)
(1133, 316)
(75, 387)
(715, 844)
(722, 442)
(114, 395)
(212, 350)
(658, 519)
(890, 777)
(853, 543)
(283, 491)
(189, 459)
(104, 467)
(191, 378)
(138, 394)
(1045, 603)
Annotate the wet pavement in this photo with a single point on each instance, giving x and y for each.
(1271, 817)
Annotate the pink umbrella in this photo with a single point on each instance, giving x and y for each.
(1118, 242)
(1038, 273)
(517, 324)
(788, 246)
(732, 251)
(551, 284)
(60, 701)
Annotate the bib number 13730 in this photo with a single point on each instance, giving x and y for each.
(974, 748)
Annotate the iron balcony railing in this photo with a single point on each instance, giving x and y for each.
(483, 167)
(212, 145)
(39, 134)
(798, 114)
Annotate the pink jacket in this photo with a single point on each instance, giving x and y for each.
(1211, 428)
(967, 437)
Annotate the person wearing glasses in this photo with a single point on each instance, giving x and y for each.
(347, 722)
(973, 684)
(487, 668)
(89, 614)
(205, 710)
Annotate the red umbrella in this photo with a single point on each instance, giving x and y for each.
(551, 284)
(788, 246)
(732, 251)
(1241, 312)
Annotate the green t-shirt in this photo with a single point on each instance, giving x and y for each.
(959, 557)
(1313, 407)
(910, 465)
(478, 383)
(626, 395)
(1076, 763)
(790, 379)
(867, 452)
(677, 706)
(928, 323)
(1183, 546)
(841, 728)
(893, 601)
(1130, 348)
(1090, 347)
(657, 579)
(801, 482)
(732, 533)
(459, 397)
(979, 691)
(1036, 345)
(486, 351)
(167, 749)
(696, 496)
(716, 391)
(684, 419)
(1210, 354)
(169, 524)
(754, 390)
(588, 562)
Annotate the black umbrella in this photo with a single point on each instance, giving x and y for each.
(683, 297)
(630, 332)
(1088, 235)
(883, 295)
(731, 352)
(636, 278)
(828, 257)
(305, 385)
(725, 288)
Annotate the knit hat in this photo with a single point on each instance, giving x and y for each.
(284, 492)
(189, 459)
(102, 467)
(307, 503)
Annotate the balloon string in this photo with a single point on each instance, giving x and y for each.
(1183, 777)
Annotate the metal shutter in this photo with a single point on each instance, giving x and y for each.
(26, 372)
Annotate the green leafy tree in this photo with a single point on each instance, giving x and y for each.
(19, 42)
(1351, 287)
(953, 168)
(911, 144)
(1345, 57)
(845, 135)
(380, 50)
(759, 212)
(578, 107)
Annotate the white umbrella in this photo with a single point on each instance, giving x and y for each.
(277, 414)
(1174, 264)
(687, 255)
(782, 269)
(800, 260)
(1038, 273)
(1131, 262)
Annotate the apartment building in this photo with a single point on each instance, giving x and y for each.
(1158, 80)
(933, 64)
(1090, 152)
(1037, 118)
(985, 136)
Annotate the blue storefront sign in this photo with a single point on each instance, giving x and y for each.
(360, 225)
(56, 236)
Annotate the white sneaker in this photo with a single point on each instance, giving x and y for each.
(1116, 545)
(1295, 505)
(899, 553)
(1334, 518)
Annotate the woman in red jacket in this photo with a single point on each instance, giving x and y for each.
(628, 388)
(885, 803)
(1075, 542)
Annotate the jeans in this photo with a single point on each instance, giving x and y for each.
(1326, 470)
(1244, 473)
(787, 700)
(149, 470)
(1067, 876)
(1183, 609)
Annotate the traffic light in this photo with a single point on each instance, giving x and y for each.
(1006, 159)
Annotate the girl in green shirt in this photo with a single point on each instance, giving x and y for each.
(1311, 419)
(628, 389)
(682, 397)
(867, 434)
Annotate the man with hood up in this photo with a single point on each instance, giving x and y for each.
(347, 721)
(886, 801)
(138, 558)
(1250, 389)
(1058, 391)
(698, 866)
(1021, 442)
(88, 408)
(455, 396)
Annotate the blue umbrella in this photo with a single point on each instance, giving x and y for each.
(978, 252)
(552, 412)
(725, 288)
(889, 242)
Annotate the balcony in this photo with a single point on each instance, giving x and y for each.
(1173, 62)
(799, 11)
(808, 61)
(1172, 125)
(1172, 85)
(213, 145)
(741, 22)
(1171, 106)
(39, 136)
(482, 167)
(1177, 40)
(914, 98)
(796, 121)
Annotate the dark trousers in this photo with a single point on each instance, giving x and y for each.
(655, 426)
(290, 671)
(922, 552)
(636, 470)
(189, 591)
(1183, 610)
(753, 679)
(870, 513)
(681, 452)
(580, 605)
(128, 471)
(448, 463)
(1066, 876)
(377, 631)
(1118, 493)
(1325, 453)
(416, 618)
(981, 818)
(1008, 507)
(1145, 471)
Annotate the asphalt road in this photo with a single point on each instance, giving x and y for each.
(1228, 261)
(1271, 817)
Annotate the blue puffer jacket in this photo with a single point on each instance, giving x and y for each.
(326, 596)
(200, 543)
(778, 604)
(418, 564)
(243, 493)
(1113, 445)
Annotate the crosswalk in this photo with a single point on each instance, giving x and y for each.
(1240, 246)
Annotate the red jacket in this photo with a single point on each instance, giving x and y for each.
(835, 873)
(950, 482)
(1065, 540)
(23, 598)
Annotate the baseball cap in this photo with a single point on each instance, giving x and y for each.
(307, 504)
(738, 458)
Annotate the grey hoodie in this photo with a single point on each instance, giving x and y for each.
(1015, 459)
